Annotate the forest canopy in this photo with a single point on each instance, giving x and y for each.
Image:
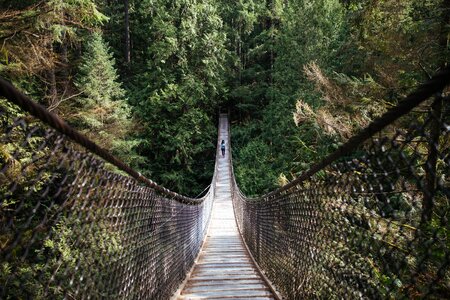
(147, 78)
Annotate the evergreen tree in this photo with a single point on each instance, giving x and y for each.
(39, 41)
(102, 111)
(177, 88)
(286, 37)
(330, 62)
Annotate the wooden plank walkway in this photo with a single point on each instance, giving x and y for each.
(224, 269)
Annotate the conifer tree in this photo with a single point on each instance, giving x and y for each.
(181, 49)
(102, 111)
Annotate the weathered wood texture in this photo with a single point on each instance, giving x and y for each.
(223, 269)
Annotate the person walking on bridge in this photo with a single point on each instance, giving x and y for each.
(222, 147)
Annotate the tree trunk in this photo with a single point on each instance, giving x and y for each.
(444, 35)
(127, 33)
(53, 91)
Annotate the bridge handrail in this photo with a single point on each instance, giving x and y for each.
(370, 220)
(13, 95)
(432, 87)
(72, 228)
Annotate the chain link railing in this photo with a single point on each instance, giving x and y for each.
(71, 227)
(371, 221)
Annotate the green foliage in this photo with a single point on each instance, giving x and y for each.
(36, 35)
(97, 75)
(58, 257)
(190, 57)
(346, 61)
(49, 241)
(176, 87)
(334, 65)
(254, 160)
(102, 111)
(285, 37)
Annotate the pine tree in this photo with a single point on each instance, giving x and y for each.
(38, 40)
(180, 49)
(102, 111)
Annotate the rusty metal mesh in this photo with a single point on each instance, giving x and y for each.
(72, 227)
(374, 224)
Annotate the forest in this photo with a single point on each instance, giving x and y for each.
(146, 79)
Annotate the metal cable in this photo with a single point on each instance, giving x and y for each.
(371, 220)
(8, 91)
(72, 229)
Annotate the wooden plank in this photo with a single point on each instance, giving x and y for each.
(221, 281)
(224, 256)
(247, 298)
(231, 286)
(226, 264)
(208, 272)
(240, 260)
(231, 293)
(224, 276)
(227, 298)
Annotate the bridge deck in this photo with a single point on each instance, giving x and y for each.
(224, 269)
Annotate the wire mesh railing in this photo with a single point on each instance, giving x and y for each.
(371, 220)
(72, 228)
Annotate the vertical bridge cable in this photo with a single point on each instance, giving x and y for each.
(71, 227)
(369, 221)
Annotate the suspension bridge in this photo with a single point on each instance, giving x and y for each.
(369, 221)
